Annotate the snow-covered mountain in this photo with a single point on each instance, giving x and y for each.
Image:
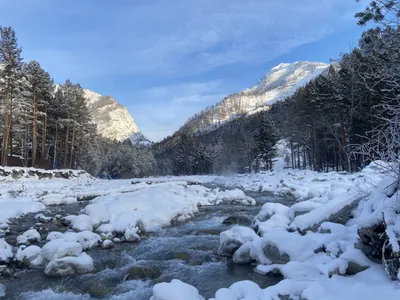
(279, 83)
(112, 119)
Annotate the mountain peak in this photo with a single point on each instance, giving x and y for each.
(284, 79)
(113, 120)
(278, 84)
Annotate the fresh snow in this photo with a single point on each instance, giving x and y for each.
(302, 242)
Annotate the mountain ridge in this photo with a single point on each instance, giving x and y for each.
(279, 83)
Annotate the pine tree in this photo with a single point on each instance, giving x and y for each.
(10, 85)
(40, 87)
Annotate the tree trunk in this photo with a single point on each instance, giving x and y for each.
(44, 137)
(72, 147)
(34, 130)
(6, 131)
(55, 149)
(66, 146)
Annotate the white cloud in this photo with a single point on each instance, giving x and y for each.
(180, 37)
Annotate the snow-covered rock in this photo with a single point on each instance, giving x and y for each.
(86, 239)
(175, 290)
(271, 216)
(233, 239)
(29, 256)
(131, 235)
(80, 223)
(28, 237)
(6, 252)
(107, 244)
(240, 290)
(69, 265)
(60, 248)
(56, 199)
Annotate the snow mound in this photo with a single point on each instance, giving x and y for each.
(175, 290)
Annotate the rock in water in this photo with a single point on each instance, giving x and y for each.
(238, 219)
(107, 244)
(142, 273)
(69, 265)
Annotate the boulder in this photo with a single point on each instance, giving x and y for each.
(242, 256)
(98, 288)
(229, 247)
(275, 255)
(354, 268)
(372, 241)
(231, 240)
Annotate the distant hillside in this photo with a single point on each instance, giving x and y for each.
(278, 84)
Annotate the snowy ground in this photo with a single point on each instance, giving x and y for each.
(308, 243)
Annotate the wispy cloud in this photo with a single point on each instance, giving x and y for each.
(179, 37)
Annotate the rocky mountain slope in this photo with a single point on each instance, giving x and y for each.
(278, 84)
(112, 119)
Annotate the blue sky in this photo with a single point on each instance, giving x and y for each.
(167, 59)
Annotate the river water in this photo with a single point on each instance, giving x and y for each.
(129, 271)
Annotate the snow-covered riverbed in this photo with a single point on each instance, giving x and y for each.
(309, 238)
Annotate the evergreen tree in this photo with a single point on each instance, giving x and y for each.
(10, 85)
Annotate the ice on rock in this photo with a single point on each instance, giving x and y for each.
(6, 252)
(30, 255)
(69, 265)
(28, 237)
(175, 290)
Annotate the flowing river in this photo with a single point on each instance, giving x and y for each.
(185, 251)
